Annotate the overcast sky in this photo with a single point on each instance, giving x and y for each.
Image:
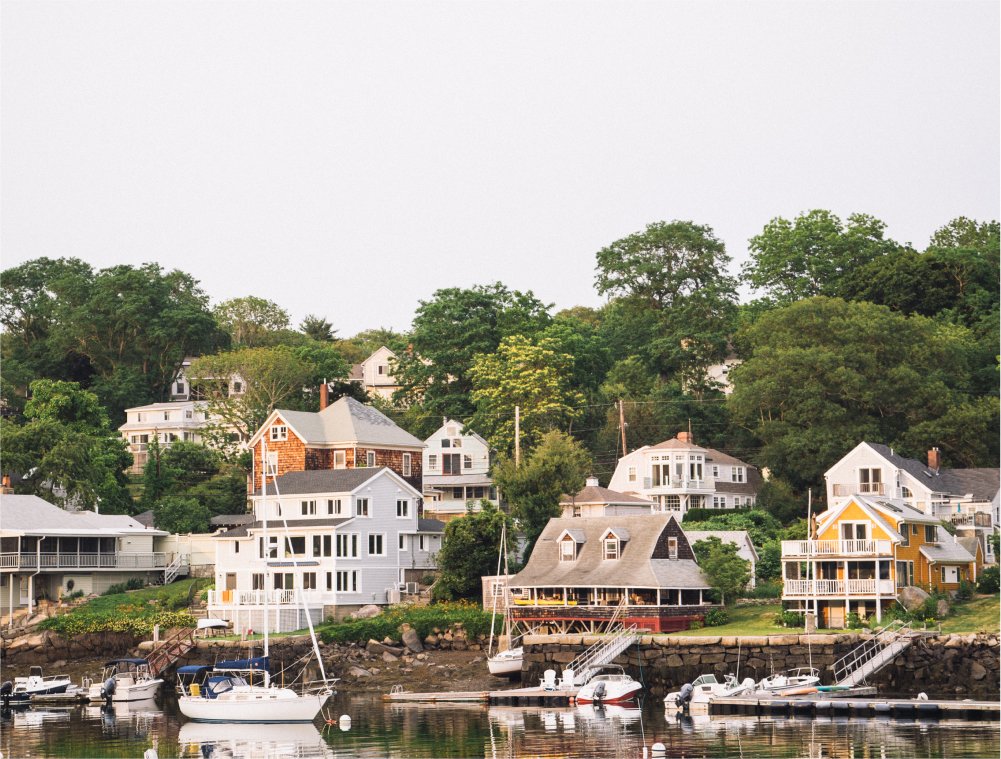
(348, 159)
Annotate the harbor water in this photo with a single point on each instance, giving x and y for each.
(380, 729)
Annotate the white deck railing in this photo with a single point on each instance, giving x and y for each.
(84, 560)
(261, 597)
(830, 548)
(837, 587)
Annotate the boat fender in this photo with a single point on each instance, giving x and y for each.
(685, 694)
(659, 749)
(922, 696)
(345, 722)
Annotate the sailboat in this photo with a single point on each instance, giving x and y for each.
(227, 693)
(506, 663)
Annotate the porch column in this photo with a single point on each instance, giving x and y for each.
(658, 596)
(879, 612)
(566, 600)
(848, 603)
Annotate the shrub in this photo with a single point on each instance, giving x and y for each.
(424, 620)
(696, 624)
(765, 590)
(990, 580)
(789, 619)
(854, 621)
(965, 590)
(716, 617)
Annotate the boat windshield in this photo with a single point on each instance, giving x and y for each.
(706, 680)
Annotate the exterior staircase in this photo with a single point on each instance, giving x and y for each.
(872, 655)
(170, 649)
(602, 652)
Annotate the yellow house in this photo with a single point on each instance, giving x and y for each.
(863, 552)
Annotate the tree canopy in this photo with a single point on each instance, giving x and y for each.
(469, 551)
(248, 320)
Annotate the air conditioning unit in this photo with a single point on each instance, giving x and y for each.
(393, 595)
(413, 588)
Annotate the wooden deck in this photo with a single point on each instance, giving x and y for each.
(509, 697)
(903, 708)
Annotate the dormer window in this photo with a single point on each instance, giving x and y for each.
(672, 548)
(610, 547)
(568, 549)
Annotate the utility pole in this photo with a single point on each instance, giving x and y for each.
(622, 428)
(517, 436)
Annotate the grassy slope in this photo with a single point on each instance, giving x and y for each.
(983, 613)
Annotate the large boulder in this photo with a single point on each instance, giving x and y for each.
(942, 609)
(911, 598)
(367, 612)
(375, 648)
(412, 640)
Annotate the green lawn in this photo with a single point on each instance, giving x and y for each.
(981, 614)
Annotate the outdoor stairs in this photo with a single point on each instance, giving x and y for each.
(872, 655)
(170, 649)
(602, 652)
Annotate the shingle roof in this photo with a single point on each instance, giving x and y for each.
(947, 552)
(430, 525)
(31, 515)
(348, 421)
(243, 530)
(634, 568)
(739, 538)
(231, 520)
(982, 482)
(970, 544)
(593, 494)
(321, 481)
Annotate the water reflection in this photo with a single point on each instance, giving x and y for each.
(241, 741)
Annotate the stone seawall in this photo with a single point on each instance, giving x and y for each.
(945, 666)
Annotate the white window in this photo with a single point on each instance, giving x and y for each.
(568, 549)
(610, 547)
(271, 552)
(308, 508)
(672, 503)
(870, 481)
(715, 471)
(382, 368)
(632, 474)
(931, 534)
(457, 443)
(467, 462)
(403, 508)
(309, 580)
(279, 432)
(188, 413)
(719, 501)
(347, 545)
(340, 462)
(347, 582)
(361, 507)
(166, 416)
(370, 458)
(446, 443)
(376, 544)
(421, 543)
(432, 461)
(334, 507)
(322, 545)
(672, 548)
(180, 389)
(737, 474)
(406, 464)
(330, 580)
(402, 539)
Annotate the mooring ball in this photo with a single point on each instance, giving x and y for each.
(345, 722)
(658, 749)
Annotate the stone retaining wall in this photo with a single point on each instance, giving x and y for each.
(46, 647)
(946, 666)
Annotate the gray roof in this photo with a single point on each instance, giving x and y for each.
(348, 421)
(982, 482)
(593, 494)
(244, 530)
(947, 552)
(31, 515)
(430, 525)
(969, 544)
(231, 520)
(146, 518)
(321, 481)
(634, 568)
(739, 538)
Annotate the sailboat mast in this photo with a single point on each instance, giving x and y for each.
(267, 546)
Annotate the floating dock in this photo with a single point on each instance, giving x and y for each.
(854, 706)
(510, 697)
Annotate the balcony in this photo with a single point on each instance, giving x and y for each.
(862, 488)
(835, 548)
(679, 484)
(842, 588)
(55, 561)
(292, 597)
(976, 519)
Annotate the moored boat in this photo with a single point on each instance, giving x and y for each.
(37, 684)
(125, 680)
(610, 687)
(705, 688)
(803, 677)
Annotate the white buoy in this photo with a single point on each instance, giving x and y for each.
(922, 696)
(345, 722)
(659, 749)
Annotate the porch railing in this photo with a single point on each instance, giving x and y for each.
(84, 561)
(260, 597)
(866, 587)
(819, 548)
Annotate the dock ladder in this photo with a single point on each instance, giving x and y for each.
(872, 655)
(602, 652)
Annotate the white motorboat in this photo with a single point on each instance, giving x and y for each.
(611, 687)
(37, 684)
(803, 677)
(506, 663)
(125, 680)
(705, 688)
(222, 693)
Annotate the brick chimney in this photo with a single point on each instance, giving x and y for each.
(685, 437)
(323, 396)
(934, 459)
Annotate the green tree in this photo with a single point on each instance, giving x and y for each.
(448, 332)
(776, 496)
(557, 465)
(249, 319)
(725, 571)
(673, 277)
(825, 374)
(532, 375)
(469, 551)
(66, 451)
(181, 515)
(317, 328)
(272, 377)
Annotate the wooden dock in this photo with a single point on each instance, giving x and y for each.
(509, 697)
(903, 708)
